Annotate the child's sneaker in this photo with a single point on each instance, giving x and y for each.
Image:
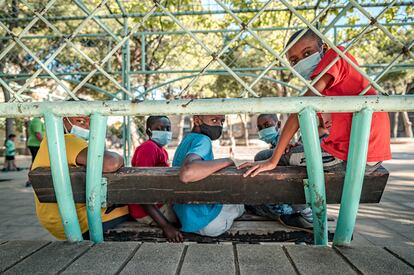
(296, 221)
(307, 214)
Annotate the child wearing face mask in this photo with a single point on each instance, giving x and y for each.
(309, 56)
(151, 153)
(293, 216)
(195, 157)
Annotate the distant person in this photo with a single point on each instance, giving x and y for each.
(36, 133)
(195, 157)
(9, 162)
(76, 132)
(151, 153)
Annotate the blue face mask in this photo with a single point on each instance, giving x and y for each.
(80, 132)
(306, 66)
(269, 135)
(162, 138)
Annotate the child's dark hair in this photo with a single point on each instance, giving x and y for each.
(309, 33)
(12, 136)
(272, 116)
(152, 119)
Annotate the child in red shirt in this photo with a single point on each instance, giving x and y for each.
(310, 56)
(152, 154)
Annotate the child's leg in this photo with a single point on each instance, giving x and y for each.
(13, 164)
(223, 221)
(6, 164)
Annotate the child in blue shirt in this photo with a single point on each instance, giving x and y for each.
(195, 157)
(9, 163)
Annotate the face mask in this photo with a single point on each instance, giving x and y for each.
(78, 131)
(213, 132)
(269, 135)
(162, 138)
(306, 66)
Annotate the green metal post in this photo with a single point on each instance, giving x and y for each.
(354, 177)
(126, 83)
(60, 174)
(94, 176)
(316, 181)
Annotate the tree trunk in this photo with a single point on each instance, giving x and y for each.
(406, 119)
(181, 129)
(246, 131)
(134, 134)
(407, 125)
(395, 128)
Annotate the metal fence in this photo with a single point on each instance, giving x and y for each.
(362, 106)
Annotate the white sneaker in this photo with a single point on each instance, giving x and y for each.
(307, 214)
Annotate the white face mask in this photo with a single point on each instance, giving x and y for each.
(306, 66)
(79, 131)
(161, 137)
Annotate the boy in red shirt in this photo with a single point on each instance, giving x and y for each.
(309, 56)
(152, 154)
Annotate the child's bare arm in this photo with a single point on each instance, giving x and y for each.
(195, 168)
(291, 127)
(171, 232)
(111, 161)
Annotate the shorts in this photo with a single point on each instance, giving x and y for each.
(223, 221)
(9, 157)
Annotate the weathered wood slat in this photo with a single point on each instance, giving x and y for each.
(51, 259)
(14, 251)
(154, 258)
(153, 185)
(318, 260)
(103, 258)
(208, 259)
(375, 260)
(263, 259)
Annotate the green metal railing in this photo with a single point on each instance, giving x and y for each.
(361, 106)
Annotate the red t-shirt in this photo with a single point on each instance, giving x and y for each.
(346, 81)
(148, 154)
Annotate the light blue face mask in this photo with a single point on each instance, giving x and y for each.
(162, 138)
(80, 132)
(269, 135)
(306, 66)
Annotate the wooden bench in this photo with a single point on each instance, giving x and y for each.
(156, 185)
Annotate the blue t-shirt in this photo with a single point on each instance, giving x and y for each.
(194, 217)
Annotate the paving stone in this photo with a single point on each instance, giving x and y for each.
(209, 259)
(263, 259)
(318, 260)
(103, 258)
(404, 252)
(152, 258)
(50, 259)
(375, 260)
(14, 251)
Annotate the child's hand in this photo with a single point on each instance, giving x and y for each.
(173, 234)
(257, 167)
